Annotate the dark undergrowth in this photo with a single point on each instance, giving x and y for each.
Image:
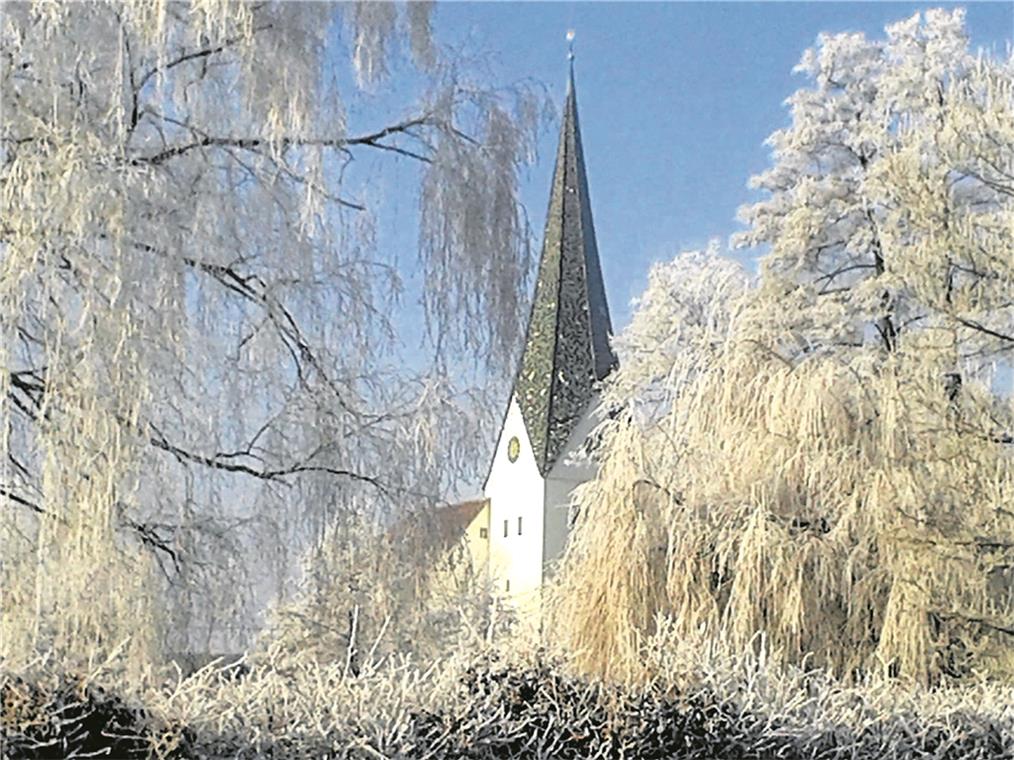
(497, 712)
(538, 713)
(65, 717)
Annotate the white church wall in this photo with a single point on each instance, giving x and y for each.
(515, 490)
(568, 472)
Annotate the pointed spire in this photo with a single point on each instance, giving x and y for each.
(567, 345)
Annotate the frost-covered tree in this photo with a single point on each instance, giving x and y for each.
(200, 361)
(833, 470)
(888, 197)
(687, 305)
(365, 595)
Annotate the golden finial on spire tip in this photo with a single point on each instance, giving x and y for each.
(570, 44)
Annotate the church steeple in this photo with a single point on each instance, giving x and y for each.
(567, 347)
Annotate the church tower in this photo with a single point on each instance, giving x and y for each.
(550, 412)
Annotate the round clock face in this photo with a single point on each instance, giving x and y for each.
(513, 449)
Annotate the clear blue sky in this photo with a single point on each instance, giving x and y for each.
(676, 100)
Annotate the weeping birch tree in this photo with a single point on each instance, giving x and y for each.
(832, 465)
(201, 353)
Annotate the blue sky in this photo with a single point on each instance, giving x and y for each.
(676, 100)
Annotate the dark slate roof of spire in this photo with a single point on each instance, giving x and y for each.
(567, 345)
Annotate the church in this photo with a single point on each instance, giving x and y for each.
(518, 531)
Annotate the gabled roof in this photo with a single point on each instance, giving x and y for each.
(440, 526)
(567, 344)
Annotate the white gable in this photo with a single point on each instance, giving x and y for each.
(516, 491)
(519, 560)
